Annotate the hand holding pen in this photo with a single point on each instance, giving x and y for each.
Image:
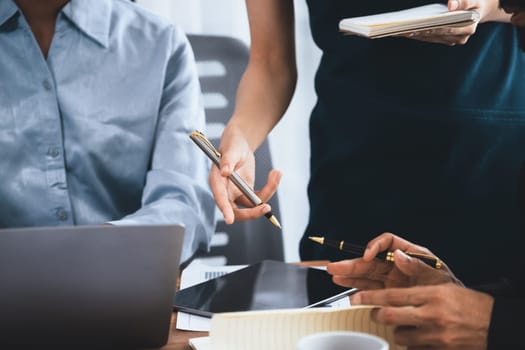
(372, 272)
(220, 181)
(358, 250)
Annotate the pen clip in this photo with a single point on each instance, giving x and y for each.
(199, 135)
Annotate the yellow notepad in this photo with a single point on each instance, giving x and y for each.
(282, 329)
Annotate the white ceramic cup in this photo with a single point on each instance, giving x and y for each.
(341, 341)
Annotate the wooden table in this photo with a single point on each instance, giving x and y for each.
(178, 340)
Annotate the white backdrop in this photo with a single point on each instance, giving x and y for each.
(289, 140)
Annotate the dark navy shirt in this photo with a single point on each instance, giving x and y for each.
(423, 140)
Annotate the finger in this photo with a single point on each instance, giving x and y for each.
(269, 189)
(444, 41)
(418, 338)
(451, 31)
(412, 266)
(231, 157)
(414, 296)
(384, 242)
(219, 185)
(247, 214)
(359, 268)
(244, 201)
(359, 283)
(454, 5)
(398, 316)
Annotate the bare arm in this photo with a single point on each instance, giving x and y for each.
(263, 96)
(268, 83)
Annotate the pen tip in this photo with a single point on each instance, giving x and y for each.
(274, 221)
(316, 239)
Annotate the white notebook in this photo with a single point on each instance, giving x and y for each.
(405, 21)
(282, 329)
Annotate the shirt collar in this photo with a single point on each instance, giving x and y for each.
(7, 9)
(93, 18)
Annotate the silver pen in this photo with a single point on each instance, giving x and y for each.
(206, 146)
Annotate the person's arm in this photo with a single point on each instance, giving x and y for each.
(445, 316)
(175, 190)
(488, 10)
(263, 96)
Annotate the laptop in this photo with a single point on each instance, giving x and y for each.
(88, 286)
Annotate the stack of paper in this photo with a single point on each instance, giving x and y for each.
(405, 21)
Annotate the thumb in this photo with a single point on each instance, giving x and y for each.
(454, 5)
(229, 161)
(408, 265)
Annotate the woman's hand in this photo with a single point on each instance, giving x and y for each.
(488, 10)
(371, 273)
(237, 156)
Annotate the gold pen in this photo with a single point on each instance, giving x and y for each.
(358, 250)
(206, 146)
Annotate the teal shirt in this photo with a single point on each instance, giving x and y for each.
(423, 140)
(98, 131)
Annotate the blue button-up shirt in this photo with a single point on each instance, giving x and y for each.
(98, 131)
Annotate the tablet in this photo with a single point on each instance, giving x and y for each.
(263, 286)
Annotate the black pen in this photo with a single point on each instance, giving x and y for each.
(206, 146)
(387, 256)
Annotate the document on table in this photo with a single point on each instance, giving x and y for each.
(198, 272)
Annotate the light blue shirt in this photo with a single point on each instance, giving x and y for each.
(98, 132)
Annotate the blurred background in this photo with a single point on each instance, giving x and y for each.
(289, 141)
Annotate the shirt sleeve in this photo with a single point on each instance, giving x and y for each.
(506, 324)
(176, 190)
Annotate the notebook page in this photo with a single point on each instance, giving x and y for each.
(251, 330)
(201, 343)
(416, 13)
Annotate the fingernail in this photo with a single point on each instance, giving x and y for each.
(367, 250)
(266, 208)
(225, 169)
(453, 5)
(404, 257)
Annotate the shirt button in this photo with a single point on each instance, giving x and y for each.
(47, 85)
(53, 152)
(61, 214)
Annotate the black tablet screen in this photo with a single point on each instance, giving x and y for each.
(263, 286)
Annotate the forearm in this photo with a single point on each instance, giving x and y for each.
(268, 83)
(264, 94)
(189, 205)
